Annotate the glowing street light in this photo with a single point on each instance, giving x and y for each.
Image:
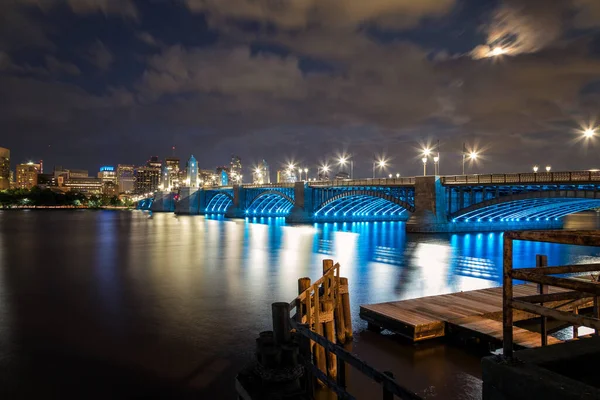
(535, 168)
(426, 152)
(324, 169)
(472, 156)
(390, 175)
(306, 172)
(436, 160)
(424, 159)
(381, 164)
(398, 175)
(343, 160)
(548, 168)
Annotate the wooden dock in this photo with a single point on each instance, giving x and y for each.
(477, 313)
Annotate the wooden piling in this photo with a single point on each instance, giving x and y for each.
(541, 261)
(303, 306)
(329, 333)
(345, 302)
(281, 322)
(319, 351)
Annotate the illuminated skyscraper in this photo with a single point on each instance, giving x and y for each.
(171, 174)
(27, 175)
(235, 170)
(147, 180)
(4, 168)
(107, 174)
(125, 178)
(261, 173)
(192, 173)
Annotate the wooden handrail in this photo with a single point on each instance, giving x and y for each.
(581, 290)
(387, 382)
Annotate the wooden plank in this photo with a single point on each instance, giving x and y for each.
(426, 317)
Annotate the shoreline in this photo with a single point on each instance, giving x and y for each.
(20, 208)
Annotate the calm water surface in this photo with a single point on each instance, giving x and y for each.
(104, 304)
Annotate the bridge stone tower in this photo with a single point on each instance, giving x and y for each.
(430, 206)
(237, 209)
(303, 207)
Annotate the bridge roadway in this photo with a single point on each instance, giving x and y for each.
(426, 203)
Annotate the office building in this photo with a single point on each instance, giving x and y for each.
(171, 174)
(87, 185)
(147, 180)
(70, 173)
(125, 178)
(110, 189)
(154, 162)
(235, 170)
(108, 174)
(261, 174)
(4, 168)
(192, 173)
(208, 178)
(46, 180)
(27, 175)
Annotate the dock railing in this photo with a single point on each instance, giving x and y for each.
(322, 316)
(579, 291)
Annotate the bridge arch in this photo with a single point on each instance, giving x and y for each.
(363, 205)
(270, 203)
(532, 206)
(219, 203)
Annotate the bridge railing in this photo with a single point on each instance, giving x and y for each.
(365, 182)
(262, 185)
(530, 177)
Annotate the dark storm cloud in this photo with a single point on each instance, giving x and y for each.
(329, 83)
(302, 14)
(100, 56)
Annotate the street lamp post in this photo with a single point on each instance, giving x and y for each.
(535, 168)
(436, 165)
(548, 168)
(306, 173)
(343, 160)
(424, 159)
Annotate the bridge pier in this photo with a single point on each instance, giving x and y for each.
(302, 212)
(238, 208)
(163, 202)
(430, 206)
(189, 201)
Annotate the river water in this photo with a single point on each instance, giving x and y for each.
(126, 304)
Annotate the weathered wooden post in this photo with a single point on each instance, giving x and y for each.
(281, 323)
(319, 351)
(330, 335)
(507, 295)
(345, 300)
(306, 352)
(303, 306)
(541, 261)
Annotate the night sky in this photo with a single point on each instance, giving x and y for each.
(85, 83)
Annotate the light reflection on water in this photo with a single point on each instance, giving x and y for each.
(142, 289)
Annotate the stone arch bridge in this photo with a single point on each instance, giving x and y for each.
(427, 204)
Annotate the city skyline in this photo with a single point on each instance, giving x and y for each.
(518, 79)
